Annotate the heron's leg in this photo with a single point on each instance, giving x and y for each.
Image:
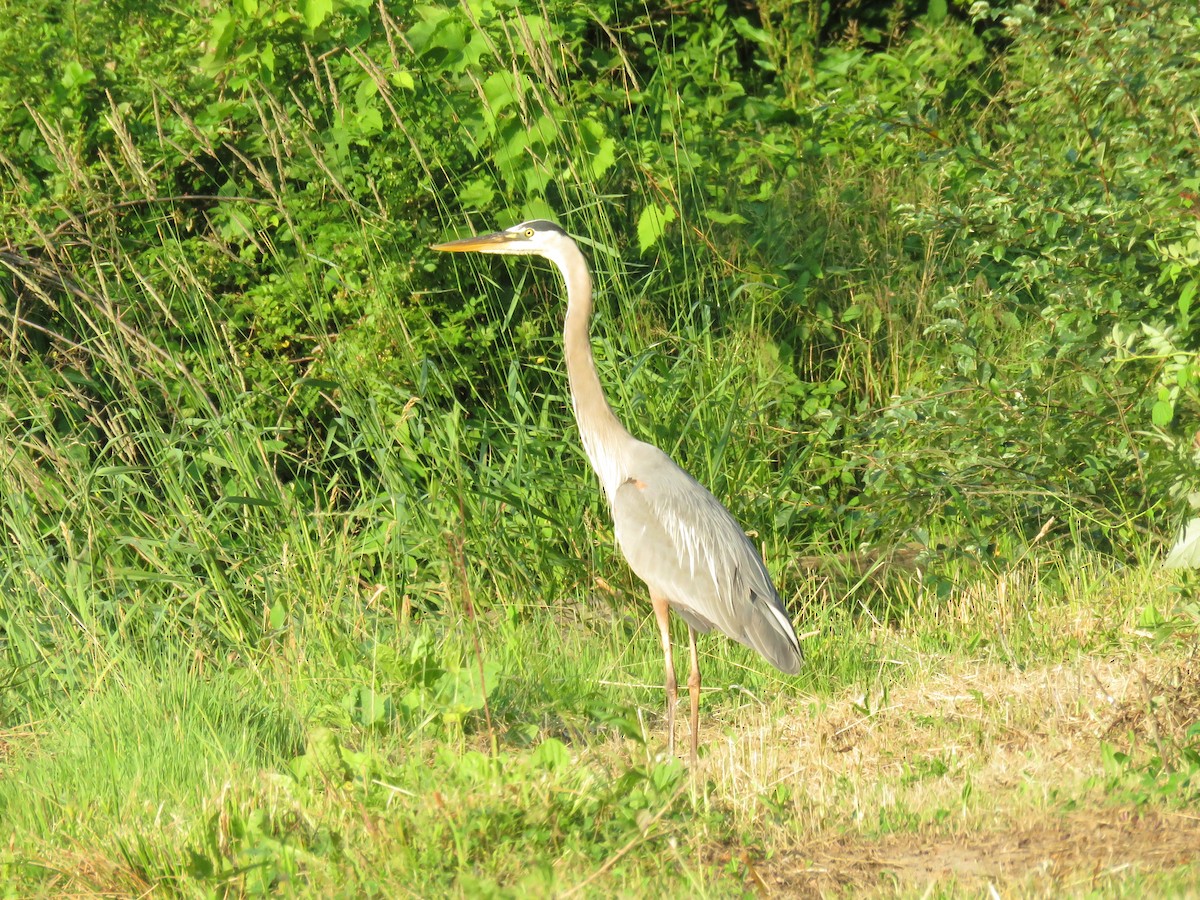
(694, 691)
(660, 613)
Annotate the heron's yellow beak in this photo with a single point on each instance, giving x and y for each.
(480, 242)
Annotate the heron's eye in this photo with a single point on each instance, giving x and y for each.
(528, 232)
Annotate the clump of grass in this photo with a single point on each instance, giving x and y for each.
(143, 749)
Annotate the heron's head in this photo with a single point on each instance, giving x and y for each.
(536, 237)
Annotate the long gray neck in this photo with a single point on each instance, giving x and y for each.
(605, 439)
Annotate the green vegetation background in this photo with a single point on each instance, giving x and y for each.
(880, 275)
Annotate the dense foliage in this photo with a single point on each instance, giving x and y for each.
(933, 281)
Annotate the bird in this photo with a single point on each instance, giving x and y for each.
(675, 535)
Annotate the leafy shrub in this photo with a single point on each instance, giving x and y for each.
(940, 287)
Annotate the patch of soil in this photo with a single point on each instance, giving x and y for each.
(1075, 851)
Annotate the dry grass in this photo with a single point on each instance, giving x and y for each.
(975, 775)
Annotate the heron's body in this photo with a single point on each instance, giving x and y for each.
(675, 535)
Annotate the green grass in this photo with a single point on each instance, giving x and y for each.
(140, 751)
(350, 756)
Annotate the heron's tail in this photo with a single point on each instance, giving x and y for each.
(770, 632)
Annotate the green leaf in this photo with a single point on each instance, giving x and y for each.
(750, 33)
(74, 75)
(220, 36)
(1151, 617)
(316, 12)
(1054, 222)
(371, 707)
(221, 462)
(604, 157)
(1162, 413)
(652, 223)
(369, 121)
(476, 194)
(1185, 298)
(499, 91)
(459, 692)
(324, 755)
(551, 755)
(722, 218)
(267, 57)
(242, 500)
(535, 208)
(598, 148)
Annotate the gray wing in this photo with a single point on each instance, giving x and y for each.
(680, 540)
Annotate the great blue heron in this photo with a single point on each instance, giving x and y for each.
(675, 535)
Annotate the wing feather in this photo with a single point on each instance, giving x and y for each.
(680, 540)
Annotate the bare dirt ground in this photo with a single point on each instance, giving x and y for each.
(1074, 853)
